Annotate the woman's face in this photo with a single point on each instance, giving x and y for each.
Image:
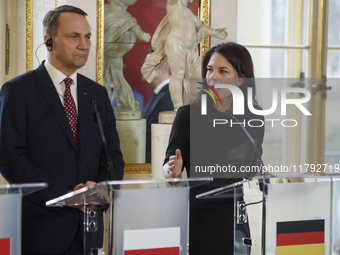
(220, 71)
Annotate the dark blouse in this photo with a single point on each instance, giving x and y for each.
(211, 221)
(225, 144)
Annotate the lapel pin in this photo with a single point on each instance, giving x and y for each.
(85, 93)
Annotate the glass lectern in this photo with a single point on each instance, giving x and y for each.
(134, 217)
(10, 215)
(286, 214)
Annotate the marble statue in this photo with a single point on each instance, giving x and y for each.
(120, 33)
(175, 42)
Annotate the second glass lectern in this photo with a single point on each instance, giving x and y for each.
(134, 217)
(286, 214)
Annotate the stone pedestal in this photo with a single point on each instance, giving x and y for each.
(167, 117)
(132, 135)
(159, 142)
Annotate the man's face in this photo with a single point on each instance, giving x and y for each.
(71, 44)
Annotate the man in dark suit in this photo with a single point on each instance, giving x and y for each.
(49, 133)
(160, 101)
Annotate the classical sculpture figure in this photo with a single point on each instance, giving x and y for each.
(120, 33)
(175, 42)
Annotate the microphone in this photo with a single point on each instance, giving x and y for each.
(228, 113)
(258, 159)
(110, 167)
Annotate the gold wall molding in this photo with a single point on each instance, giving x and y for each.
(292, 47)
(7, 50)
(29, 35)
(137, 168)
(204, 14)
(100, 42)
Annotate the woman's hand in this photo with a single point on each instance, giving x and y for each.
(173, 169)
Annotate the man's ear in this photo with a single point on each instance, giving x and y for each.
(48, 41)
(46, 37)
(167, 69)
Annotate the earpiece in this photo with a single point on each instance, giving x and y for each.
(49, 43)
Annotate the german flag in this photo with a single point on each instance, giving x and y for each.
(300, 237)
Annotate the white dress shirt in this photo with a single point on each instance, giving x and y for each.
(160, 86)
(57, 78)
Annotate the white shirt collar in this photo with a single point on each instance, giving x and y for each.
(58, 77)
(160, 86)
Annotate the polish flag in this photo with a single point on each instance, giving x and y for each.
(5, 246)
(157, 241)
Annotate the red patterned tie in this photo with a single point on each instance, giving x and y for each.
(70, 108)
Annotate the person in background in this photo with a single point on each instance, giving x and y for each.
(160, 101)
(49, 133)
(212, 221)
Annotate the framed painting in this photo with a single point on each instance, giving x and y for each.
(148, 15)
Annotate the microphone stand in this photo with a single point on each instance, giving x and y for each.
(110, 166)
(259, 161)
(262, 182)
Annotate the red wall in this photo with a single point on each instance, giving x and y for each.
(149, 13)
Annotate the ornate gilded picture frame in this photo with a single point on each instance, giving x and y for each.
(204, 14)
(203, 11)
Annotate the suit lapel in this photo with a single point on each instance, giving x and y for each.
(149, 108)
(85, 109)
(52, 98)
